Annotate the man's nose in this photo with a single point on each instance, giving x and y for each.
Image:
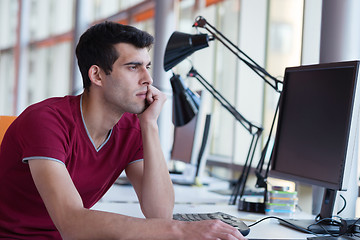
(146, 78)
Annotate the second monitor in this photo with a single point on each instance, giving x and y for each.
(318, 129)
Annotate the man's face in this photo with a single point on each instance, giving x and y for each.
(126, 86)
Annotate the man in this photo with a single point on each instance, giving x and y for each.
(61, 155)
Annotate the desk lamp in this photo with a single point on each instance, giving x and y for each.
(185, 102)
(182, 45)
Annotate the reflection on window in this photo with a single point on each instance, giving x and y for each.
(270, 32)
(49, 72)
(50, 17)
(284, 46)
(8, 21)
(246, 24)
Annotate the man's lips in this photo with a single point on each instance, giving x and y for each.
(141, 94)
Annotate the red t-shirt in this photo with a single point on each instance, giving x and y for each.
(54, 129)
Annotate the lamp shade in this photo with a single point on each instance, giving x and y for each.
(182, 45)
(185, 102)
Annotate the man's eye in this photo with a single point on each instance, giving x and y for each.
(133, 67)
(148, 67)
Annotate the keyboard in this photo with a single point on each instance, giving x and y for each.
(226, 218)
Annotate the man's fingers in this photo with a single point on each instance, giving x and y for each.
(149, 95)
(154, 94)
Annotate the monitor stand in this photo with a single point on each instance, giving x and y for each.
(312, 225)
(318, 228)
(325, 224)
(344, 237)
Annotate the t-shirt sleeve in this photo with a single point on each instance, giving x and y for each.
(139, 155)
(44, 134)
(139, 151)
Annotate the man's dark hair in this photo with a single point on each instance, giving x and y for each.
(96, 46)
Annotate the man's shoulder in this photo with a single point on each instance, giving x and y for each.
(54, 102)
(65, 105)
(55, 109)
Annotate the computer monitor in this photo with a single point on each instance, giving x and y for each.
(317, 128)
(190, 148)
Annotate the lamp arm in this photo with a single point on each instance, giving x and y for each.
(261, 72)
(261, 179)
(240, 185)
(250, 127)
(239, 188)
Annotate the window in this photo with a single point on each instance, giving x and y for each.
(269, 31)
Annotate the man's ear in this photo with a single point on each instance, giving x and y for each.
(95, 75)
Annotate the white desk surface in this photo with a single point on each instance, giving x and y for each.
(123, 200)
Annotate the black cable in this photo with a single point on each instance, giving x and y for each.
(333, 222)
(280, 219)
(349, 229)
(342, 209)
(353, 225)
(344, 229)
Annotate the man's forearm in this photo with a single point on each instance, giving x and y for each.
(105, 225)
(157, 191)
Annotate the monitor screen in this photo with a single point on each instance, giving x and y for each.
(315, 117)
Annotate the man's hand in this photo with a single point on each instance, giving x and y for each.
(155, 100)
(150, 178)
(209, 229)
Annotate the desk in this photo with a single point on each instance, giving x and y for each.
(122, 199)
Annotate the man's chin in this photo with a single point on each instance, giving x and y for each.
(142, 109)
